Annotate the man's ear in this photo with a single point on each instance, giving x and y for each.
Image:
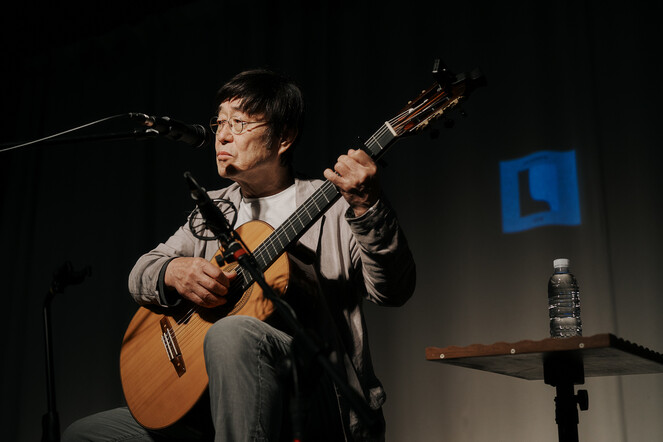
(286, 141)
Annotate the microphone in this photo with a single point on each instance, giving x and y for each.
(192, 134)
(214, 219)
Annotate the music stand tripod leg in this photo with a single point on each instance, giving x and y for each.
(563, 370)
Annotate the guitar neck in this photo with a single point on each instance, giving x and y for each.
(315, 206)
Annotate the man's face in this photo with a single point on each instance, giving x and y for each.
(246, 157)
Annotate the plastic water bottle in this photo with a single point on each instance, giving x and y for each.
(563, 302)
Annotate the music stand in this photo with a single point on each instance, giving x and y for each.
(561, 363)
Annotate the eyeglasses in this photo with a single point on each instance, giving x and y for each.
(236, 125)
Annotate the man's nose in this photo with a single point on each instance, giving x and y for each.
(224, 134)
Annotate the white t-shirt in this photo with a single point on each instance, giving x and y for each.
(273, 209)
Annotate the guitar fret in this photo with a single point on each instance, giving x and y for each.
(370, 146)
(289, 229)
(380, 140)
(261, 261)
(307, 207)
(292, 220)
(330, 192)
(274, 247)
(278, 237)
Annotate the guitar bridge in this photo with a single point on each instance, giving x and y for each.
(172, 347)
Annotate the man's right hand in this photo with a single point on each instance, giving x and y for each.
(199, 281)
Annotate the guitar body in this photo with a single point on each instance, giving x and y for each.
(162, 365)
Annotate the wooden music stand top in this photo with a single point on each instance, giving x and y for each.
(602, 355)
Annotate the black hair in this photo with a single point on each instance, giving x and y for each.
(277, 98)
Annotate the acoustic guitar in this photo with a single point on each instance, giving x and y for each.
(162, 365)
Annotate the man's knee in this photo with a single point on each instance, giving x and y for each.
(239, 339)
(233, 335)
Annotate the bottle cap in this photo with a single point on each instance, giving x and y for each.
(560, 262)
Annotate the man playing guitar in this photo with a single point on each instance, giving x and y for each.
(352, 249)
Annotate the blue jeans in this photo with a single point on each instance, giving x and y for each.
(246, 392)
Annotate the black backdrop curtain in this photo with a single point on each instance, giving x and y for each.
(580, 76)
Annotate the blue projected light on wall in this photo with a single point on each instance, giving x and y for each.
(538, 190)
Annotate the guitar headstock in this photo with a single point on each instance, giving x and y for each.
(440, 99)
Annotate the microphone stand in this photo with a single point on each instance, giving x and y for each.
(194, 135)
(63, 276)
(302, 341)
(50, 422)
